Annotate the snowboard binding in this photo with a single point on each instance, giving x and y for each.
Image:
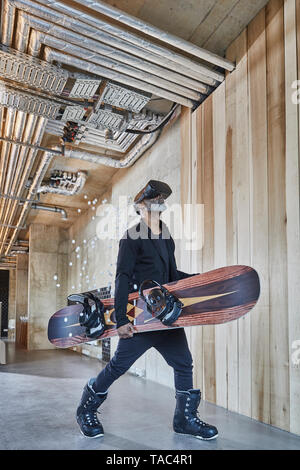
(92, 316)
(161, 303)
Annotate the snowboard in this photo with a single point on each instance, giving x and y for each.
(212, 298)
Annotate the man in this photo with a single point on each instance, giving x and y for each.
(146, 251)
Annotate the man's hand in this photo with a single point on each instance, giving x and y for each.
(126, 331)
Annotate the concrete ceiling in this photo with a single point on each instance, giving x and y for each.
(211, 24)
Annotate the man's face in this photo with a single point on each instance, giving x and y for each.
(157, 204)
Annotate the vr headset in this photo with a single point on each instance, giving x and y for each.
(153, 189)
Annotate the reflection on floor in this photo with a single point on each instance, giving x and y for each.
(40, 390)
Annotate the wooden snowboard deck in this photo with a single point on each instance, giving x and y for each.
(212, 298)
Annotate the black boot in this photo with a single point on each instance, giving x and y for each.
(186, 420)
(87, 411)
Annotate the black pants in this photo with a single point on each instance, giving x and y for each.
(171, 344)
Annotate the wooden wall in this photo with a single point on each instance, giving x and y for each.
(240, 158)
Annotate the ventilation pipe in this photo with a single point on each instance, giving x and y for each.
(40, 207)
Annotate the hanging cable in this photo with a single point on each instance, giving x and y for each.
(162, 124)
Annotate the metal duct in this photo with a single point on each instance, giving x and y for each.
(67, 186)
(50, 209)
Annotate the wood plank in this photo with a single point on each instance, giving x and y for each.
(186, 178)
(186, 193)
(219, 135)
(242, 204)
(292, 206)
(260, 356)
(208, 248)
(231, 238)
(279, 347)
(196, 334)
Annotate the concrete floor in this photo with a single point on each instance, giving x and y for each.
(40, 390)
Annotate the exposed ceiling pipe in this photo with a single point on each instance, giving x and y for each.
(121, 140)
(35, 133)
(8, 129)
(157, 33)
(93, 63)
(5, 177)
(20, 121)
(50, 209)
(40, 172)
(39, 175)
(28, 134)
(145, 143)
(110, 74)
(159, 54)
(12, 226)
(20, 244)
(139, 149)
(7, 25)
(7, 265)
(109, 34)
(105, 55)
(110, 46)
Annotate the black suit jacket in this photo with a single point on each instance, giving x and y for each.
(139, 258)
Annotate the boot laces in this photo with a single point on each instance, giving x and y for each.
(92, 418)
(198, 420)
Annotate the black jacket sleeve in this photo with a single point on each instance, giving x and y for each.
(128, 250)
